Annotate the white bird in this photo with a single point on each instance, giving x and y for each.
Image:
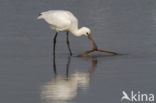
(65, 21)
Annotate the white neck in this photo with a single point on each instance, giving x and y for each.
(77, 32)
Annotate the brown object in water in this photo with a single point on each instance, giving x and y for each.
(95, 48)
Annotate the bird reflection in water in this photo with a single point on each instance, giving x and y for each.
(63, 89)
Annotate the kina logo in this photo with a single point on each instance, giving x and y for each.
(137, 97)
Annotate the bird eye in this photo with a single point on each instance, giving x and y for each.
(87, 33)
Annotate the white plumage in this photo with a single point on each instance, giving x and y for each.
(62, 20)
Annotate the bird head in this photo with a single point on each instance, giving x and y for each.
(85, 31)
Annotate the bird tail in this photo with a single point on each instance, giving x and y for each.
(40, 16)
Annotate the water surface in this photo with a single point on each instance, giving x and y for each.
(27, 71)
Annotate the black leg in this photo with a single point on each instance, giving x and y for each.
(54, 44)
(68, 44)
(67, 67)
(54, 65)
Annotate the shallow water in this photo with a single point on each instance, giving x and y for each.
(28, 73)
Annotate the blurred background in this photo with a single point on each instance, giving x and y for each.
(27, 71)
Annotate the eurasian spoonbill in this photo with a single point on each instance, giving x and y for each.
(65, 21)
